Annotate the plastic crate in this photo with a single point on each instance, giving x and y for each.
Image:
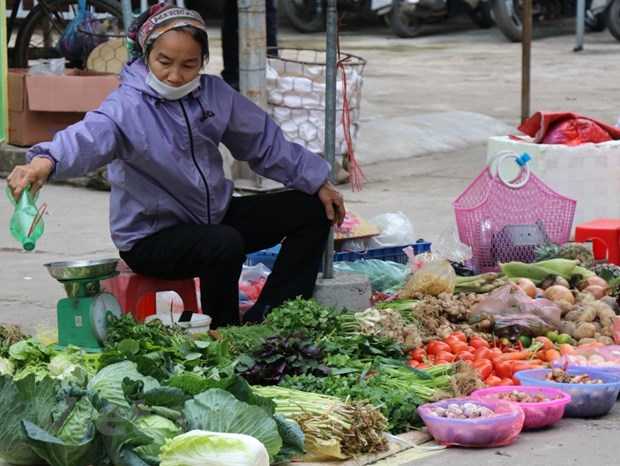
(266, 257)
(393, 253)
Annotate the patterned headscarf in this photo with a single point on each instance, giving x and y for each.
(158, 19)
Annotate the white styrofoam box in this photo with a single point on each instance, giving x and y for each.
(588, 173)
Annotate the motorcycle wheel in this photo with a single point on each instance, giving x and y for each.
(305, 15)
(403, 24)
(483, 16)
(508, 15)
(613, 18)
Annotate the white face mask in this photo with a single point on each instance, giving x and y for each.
(169, 92)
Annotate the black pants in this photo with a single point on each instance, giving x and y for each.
(216, 253)
(230, 38)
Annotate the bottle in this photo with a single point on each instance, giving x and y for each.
(26, 224)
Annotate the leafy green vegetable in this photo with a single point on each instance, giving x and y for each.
(281, 355)
(201, 448)
(26, 400)
(218, 411)
(108, 382)
(159, 429)
(316, 320)
(57, 452)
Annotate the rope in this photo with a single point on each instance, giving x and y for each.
(356, 176)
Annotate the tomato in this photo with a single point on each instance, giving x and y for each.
(504, 369)
(483, 353)
(464, 356)
(436, 346)
(520, 366)
(483, 367)
(458, 346)
(445, 356)
(418, 354)
(422, 365)
(460, 335)
(477, 342)
(451, 340)
(492, 381)
(413, 363)
(506, 381)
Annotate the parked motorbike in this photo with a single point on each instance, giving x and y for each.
(414, 13)
(599, 14)
(403, 16)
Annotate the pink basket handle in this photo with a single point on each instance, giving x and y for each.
(521, 160)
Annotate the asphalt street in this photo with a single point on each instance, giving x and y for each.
(428, 107)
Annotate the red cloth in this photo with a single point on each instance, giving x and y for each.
(566, 128)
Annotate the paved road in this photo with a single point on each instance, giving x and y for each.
(429, 105)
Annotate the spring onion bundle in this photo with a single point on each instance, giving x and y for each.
(332, 428)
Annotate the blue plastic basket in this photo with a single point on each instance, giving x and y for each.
(393, 253)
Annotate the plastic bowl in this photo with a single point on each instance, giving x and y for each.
(539, 414)
(587, 400)
(500, 429)
(607, 369)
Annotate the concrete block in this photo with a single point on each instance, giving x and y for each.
(344, 291)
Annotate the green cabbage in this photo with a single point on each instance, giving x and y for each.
(159, 429)
(6, 367)
(108, 382)
(203, 448)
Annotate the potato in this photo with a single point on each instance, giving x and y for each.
(586, 341)
(565, 307)
(588, 313)
(597, 326)
(605, 340)
(566, 326)
(573, 315)
(584, 330)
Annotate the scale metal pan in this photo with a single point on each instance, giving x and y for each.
(77, 270)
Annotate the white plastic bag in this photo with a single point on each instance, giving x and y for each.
(396, 230)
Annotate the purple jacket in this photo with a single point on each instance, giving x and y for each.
(164, 164)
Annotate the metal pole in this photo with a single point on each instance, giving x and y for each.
(127, 14)
(526, 42)
(330, 117)
(252, 50)
(252, 64)
(581, 19)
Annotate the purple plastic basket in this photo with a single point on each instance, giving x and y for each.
(503, 223)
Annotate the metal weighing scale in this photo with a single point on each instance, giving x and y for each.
(85, 315)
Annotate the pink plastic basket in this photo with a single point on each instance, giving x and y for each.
(503, 220)
(537, 415)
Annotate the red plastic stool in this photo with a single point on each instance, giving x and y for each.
(136, 292)
(605, 233)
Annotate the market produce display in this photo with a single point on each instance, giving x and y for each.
(317, 383)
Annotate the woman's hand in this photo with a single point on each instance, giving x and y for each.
(333, 202)
(34, 174)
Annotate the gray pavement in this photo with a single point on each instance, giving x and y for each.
(428, 107)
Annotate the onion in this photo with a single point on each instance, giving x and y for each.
(595, 280)
(597, 291)
(559, 293)
(528, 286)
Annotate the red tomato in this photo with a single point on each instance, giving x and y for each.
(506, 381)
(451, 340)
(504, 369)
(483, 353)
(413, 363)
(458, 346)
(477, 342)
(437, 347)
(483, 367)
(445, 356)
(460, 335)
(422, 365)
(464, 356)
(492, 381)
(418, 354)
